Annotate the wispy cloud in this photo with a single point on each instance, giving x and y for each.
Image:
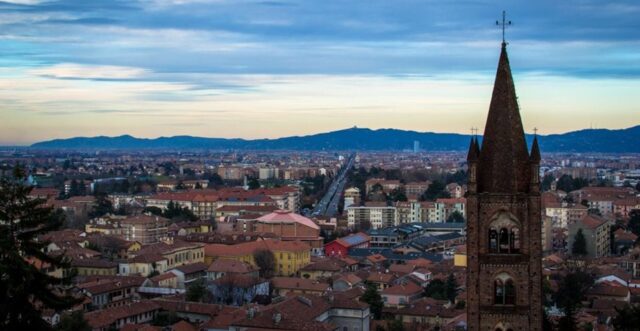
(83, 71)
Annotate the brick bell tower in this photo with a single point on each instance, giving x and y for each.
(504, 284)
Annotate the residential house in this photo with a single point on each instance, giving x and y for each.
(283, 285)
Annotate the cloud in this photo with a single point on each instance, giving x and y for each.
(95, 72)
(226, 60)
(23, 2)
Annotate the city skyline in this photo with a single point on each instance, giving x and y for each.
(280, 68)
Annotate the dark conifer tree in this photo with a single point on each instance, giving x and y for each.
(25, 289)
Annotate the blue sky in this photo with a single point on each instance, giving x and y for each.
(275, 68)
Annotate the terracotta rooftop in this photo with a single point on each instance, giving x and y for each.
(592, 221)
(294, 283)
(231, 266)
(108, 284)
(192, 268)
(105, 317)
(295, 313)
(409, 288)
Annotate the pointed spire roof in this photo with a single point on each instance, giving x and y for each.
(476, 146)
(504, 159)
(535, 150)
(472, 155)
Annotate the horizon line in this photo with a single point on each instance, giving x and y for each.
(302, 135)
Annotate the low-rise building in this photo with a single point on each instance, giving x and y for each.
(341, 246)
(338, 311)
(161, 257)
(110, 291)
(401, 294)
(283, 285)
(94, 267)
(289, 256)
(116, 317)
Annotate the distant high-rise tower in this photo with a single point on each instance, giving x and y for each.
(504, 284)
(416, 146)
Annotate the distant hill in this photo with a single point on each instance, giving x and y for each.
(588, 140)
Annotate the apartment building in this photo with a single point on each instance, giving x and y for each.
(145, 229)
(379, 216)
(596, 231)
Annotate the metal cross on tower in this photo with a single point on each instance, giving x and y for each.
(503, 24)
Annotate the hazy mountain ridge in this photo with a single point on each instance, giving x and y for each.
(587, 140)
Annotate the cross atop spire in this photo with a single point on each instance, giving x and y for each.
(504, 24)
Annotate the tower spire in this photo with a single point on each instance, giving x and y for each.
(472, 155)
(504, 158)
(535, 150)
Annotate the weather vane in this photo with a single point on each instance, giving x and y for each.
(503, 24)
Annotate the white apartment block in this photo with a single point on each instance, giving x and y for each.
(378, 216)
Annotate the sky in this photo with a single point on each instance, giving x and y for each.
(274, 68)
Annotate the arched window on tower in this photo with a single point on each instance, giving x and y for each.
(504, 234)
(504, 290)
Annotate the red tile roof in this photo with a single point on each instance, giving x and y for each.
(105, 317)
(410, 288)
(294, 283)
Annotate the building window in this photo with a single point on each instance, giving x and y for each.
(504, 290)
(504, 234)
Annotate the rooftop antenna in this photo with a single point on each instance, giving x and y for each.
(503, 25)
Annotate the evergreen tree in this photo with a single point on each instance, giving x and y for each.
(101, 207)
(571, 292)
(373, 298)
(634, 222)
(455, 217)
(546, 182)
(565, 183)
(436, 289)
(266, 261)
(73, 322)
(25, 287)
(628, 318)
(568, 321)
(436, 190)
(197, 291)
(177, 213)
(579, 244)
(253, 184)
(153, 210)
(395, 325)
(451, 288)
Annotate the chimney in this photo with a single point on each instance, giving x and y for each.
(277, 317)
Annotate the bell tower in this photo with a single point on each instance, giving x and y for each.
(504, 284)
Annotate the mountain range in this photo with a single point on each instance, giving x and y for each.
(587, 140)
